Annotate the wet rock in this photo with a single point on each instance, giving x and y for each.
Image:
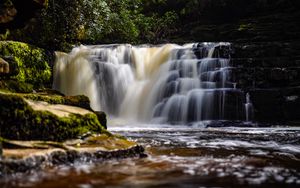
(78, 100)
(222, 51)
(26, 156)
(291, 103)
(102, 118)
(277, 105)
(267, 104)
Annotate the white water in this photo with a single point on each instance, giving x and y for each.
(248, 107)
(159, 84)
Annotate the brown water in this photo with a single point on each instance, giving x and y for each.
(182, 156)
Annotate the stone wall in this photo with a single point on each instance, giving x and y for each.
(270, 73)
(265, 51)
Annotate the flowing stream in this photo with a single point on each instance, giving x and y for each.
(183, 105)
(184, 156)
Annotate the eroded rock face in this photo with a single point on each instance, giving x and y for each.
(270, 73)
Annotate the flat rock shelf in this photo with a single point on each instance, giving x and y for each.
(25, 156)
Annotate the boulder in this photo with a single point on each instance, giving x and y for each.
(23, 119)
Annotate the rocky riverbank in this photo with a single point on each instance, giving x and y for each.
(24, 156)
(36, 134)
(41, 127)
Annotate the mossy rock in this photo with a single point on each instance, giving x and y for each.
(78, 100)
(19, 121)
(15, 86)
(32, 62)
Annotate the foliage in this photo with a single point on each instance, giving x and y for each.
(66, 22)
(5, 35)
(32, 62)
(15, 86)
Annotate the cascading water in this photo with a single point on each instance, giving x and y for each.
(248, 108)
(163, 84)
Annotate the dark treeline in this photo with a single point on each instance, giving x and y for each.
(63, 22)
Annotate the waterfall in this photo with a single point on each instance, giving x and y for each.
(161, 84)
(248, 108)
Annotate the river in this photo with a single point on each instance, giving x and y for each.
(171, 84)
(186, 156)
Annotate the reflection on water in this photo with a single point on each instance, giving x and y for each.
(186, 157)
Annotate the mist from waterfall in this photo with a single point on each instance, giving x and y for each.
(160, 84)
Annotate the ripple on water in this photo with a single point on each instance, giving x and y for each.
(181, 156)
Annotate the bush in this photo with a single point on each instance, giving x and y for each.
(32, 63)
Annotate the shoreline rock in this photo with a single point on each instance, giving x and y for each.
(19, 121)
(21, 157)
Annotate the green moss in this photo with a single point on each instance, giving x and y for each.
(32, 62)
(20, 87)
(79, 100)
(19, 121)
(109, 142)
(15, 86)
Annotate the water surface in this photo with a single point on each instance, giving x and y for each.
(186, 156)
